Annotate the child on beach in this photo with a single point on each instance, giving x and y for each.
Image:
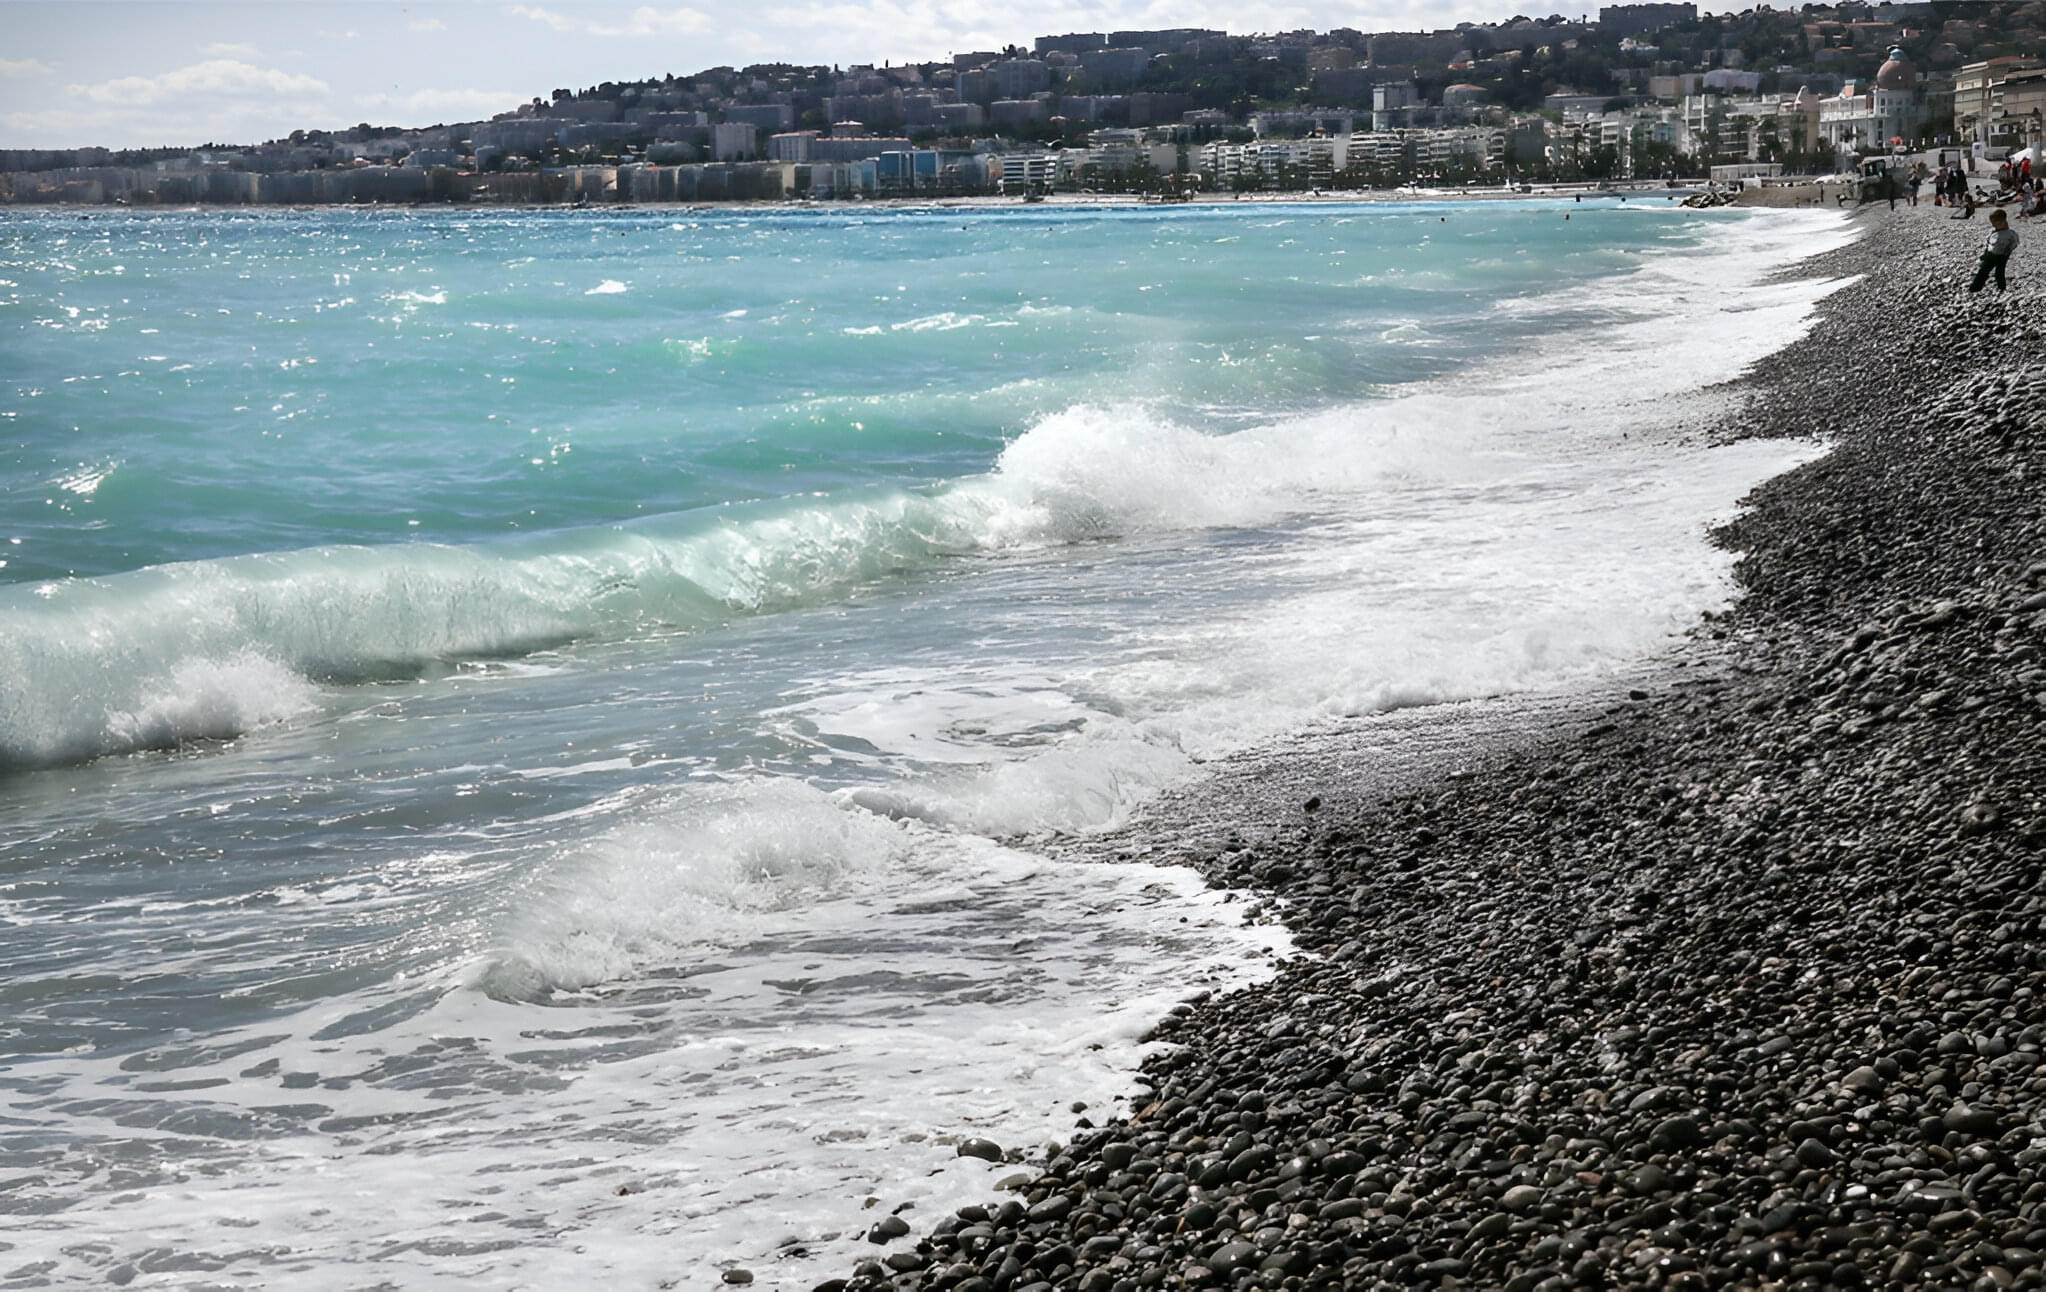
(2002, 241)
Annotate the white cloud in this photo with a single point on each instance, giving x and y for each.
(648, 21)
(75, 125)
(858, 31)
(426, 24)
(643, 21)
(42, 125)
(861, 31)
(445, 105)
(560, 22)
(24, 67)
(220, 77)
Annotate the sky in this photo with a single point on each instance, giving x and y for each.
(178, 73)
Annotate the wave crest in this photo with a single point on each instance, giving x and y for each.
(153, 657)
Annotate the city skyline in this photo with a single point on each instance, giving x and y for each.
(163, 73)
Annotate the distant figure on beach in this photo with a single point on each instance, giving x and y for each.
(2002, 241)
(1967, 207)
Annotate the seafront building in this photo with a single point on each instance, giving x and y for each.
(1644, 91)
(1869, 118)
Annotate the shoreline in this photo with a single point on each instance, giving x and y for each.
(1729, 976)
(1639, 190)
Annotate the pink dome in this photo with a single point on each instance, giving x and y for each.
(1897, 73)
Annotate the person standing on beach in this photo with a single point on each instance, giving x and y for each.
(2002, 241)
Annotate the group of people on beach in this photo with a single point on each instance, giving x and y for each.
(1950, 186)
(2015, 185)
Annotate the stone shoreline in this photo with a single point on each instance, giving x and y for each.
(1734, 978)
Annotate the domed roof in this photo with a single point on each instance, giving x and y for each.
(1897, 73)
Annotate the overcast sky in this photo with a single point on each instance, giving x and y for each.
(146, 73)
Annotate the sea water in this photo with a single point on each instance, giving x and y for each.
(524, 736)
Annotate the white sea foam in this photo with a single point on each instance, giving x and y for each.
(1082, 784)
(1475, 537)
(723, 1109)
(684, 874)
(200, 699)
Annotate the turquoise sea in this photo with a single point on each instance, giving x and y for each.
(526, 738)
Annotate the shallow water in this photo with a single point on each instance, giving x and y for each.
(524, 731)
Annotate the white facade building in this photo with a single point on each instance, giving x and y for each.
(1873, 118)
(734, 141)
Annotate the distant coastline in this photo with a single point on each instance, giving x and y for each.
(1674, 192)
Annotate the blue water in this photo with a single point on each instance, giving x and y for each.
(566, 699)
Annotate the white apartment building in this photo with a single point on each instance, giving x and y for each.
(734, 141)
(1026, 172)
(1316, 156)
(794, 146)
(1978, 93)
(1118, 152)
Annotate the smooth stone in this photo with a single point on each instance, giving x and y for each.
(1969, 1120)
(1863, 1080)
(984, 1149)
(1230, 1257)
(1490, 1227)
(1814, 1153)
(1520, 1197)
(1676, 1132)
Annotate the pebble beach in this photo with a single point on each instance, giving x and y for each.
(1730, 975)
